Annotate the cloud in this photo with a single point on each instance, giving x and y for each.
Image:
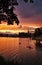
(28, 10)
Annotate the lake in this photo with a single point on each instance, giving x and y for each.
(22, 50)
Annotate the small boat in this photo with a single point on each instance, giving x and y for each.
(19, 43)
(29, 47)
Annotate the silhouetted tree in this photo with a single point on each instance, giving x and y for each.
(10, 16)
(4, 7)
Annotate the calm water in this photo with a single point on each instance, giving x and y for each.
(18, 49)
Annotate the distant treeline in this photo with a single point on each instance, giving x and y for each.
(15, 35)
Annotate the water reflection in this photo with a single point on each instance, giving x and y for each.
(22, 50)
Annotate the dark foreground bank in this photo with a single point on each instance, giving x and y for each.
(4, 62)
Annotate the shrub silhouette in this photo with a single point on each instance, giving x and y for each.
(37, 32)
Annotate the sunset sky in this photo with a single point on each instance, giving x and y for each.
(29, 15)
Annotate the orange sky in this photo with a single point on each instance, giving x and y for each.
(16, 28)
(22, 27)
